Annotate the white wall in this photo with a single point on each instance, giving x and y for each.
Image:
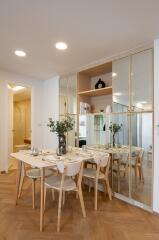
(156, 128)
(50, 109)
(42, 96)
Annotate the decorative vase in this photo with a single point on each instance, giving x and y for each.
(113, 140)
(100, 84)
(62, 144)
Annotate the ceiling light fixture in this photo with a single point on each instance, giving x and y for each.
(114, 74)
(61, 46)
(117, 94)
(20, 53)
(18, 88)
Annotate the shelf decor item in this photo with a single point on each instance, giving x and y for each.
(61, 128)
(115, 128)
(100, 84)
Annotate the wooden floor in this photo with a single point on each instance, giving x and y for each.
(114, 219)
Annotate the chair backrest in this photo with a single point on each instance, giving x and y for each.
(70, 169)
(141, 154)
(101, 159)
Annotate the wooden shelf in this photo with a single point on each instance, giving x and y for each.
(97, 92)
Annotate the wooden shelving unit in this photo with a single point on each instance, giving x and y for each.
(97, 92)
(86, 80)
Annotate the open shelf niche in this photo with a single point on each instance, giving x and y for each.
(98, 99)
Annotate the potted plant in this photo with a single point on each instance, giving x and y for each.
(61, 128)
(115, 128)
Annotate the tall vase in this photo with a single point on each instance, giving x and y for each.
(62, 144)
(113, 140)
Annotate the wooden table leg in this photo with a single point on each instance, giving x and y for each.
(21, 180)
(42, 199)
(18, 179)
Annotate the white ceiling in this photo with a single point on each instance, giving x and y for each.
(93, 29)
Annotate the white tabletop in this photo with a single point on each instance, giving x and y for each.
(49, 159)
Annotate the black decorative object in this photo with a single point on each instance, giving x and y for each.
(62, 144)
(100, 84)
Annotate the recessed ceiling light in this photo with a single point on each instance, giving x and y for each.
(114, 74)
(117, 94)
(61, 46)
(20, 53)
(18, 88)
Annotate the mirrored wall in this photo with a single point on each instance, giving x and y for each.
(68, 105)
(126, 132)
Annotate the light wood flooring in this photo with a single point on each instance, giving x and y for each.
(114, 220)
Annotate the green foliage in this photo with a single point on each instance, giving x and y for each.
(115, 127)
(61, 127)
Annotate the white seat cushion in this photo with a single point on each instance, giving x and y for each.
(91, 173)
(55, 181)
(36, 173)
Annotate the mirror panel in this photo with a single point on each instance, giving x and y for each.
(120, 84)
(141, 157)
(71, 94)
(119, 126)
(93, 129)
(142, 81)
(63, 96)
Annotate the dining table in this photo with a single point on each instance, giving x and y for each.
(44, 160)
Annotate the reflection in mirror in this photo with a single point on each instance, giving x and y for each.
(72, 90)
(142, 158)
(63, 95)
(93, 129)
(142, 81)
(120, 84)
(67, 94)
(71, 136)
(120, 153)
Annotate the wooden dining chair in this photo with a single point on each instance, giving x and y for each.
(65, 182)
(33, 174)
(96, 174)
(137, 164)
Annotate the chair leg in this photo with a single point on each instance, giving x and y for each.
(76, 195)
(59, 211)
(89, 186)
(108, 188)
(63, 200)
(21, 180)
(142, 175)
(53, 194)
(45, 191)
(95, 194)
(33, 192)
(135, 175)
(21, 187)
(82, 202)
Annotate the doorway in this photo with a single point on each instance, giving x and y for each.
(20, 119)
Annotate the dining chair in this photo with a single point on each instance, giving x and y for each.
(33, 174)
(120, 166)
(96, 174)
(137, 164)
(65, 182)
